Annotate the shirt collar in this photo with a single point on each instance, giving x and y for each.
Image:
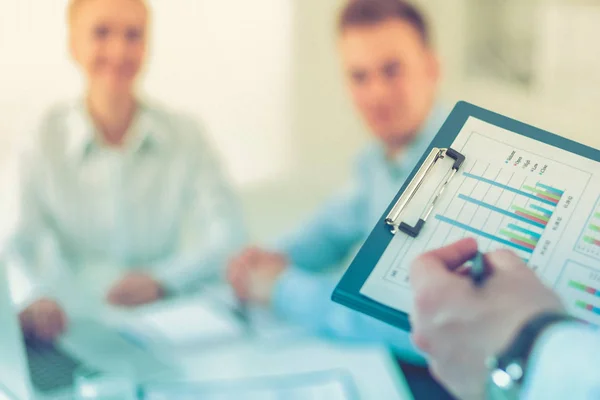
(82, 138)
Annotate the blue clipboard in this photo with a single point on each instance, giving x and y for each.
(347, 292)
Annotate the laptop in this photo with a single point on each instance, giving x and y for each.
(34, 370)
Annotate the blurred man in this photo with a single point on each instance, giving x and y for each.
(118, 197)
(392, 74)
(514, 324)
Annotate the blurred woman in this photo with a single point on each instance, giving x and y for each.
(123, 195)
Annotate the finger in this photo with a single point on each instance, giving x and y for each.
(146, 292)
(251, 254)
(234, 274)
(437, 265)
(232, 268)
(58, 321)
(44, 325)
(243, 283)
(276, 258)
(421, 342)
(505, 260)
(239, 270)
(113, 296)
(239, 285)
(119, 296)
(455, 255)
(26, 321)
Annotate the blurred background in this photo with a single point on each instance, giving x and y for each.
(263, 77)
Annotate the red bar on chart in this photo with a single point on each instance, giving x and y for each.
(591, 240)
(548, 198)
(531, 218)
(524, 244)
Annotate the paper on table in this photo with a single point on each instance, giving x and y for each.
(193, 321)
(326, 385)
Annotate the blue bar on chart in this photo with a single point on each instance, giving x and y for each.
(543, 210)
(481, 233)
(543, 195)
(538, 224)
(550, 189)
(531, 233)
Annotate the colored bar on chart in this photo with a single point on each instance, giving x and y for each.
(517, 228)
(511, 189)
(539, 224)
(547, 198)
(523, 244)
(584, 288)
(591, 240)
(531, 214)
(543, 210)
(483, 234)
(543, 195)
(542, 192)
(595, 228)
(589, 307)
(550, 189)
(532, 220)
(520, 238)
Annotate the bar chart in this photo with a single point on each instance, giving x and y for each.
(515, 212)
(502, 208)
(579, 287)
(589, 241)
(510, 199)
(512, 194)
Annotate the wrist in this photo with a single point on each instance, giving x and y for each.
(508, 369)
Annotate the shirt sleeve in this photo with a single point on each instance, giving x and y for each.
(330, 235)
(212, 226)
(304, 298)
(32, 249)
(565, 364)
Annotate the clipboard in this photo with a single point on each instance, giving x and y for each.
(348, 289)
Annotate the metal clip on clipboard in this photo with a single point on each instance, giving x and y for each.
(393, 218)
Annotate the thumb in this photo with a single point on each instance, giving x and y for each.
(439, 264)
(504, 260)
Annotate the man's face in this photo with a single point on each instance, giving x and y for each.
(392, 76)
(108, 41)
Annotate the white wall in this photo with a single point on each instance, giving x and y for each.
(225, 62)
(566, 93)
(326, 133)
(229, 62)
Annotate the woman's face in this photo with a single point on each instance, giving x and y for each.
(108, 41)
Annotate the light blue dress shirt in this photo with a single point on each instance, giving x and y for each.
(303, 293)
(159, 204)
(565, 364)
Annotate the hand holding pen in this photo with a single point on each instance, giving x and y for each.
(460, 322)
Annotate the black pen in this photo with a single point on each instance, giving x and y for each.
(478, 272)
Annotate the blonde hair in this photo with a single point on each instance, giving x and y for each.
(74, 5)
